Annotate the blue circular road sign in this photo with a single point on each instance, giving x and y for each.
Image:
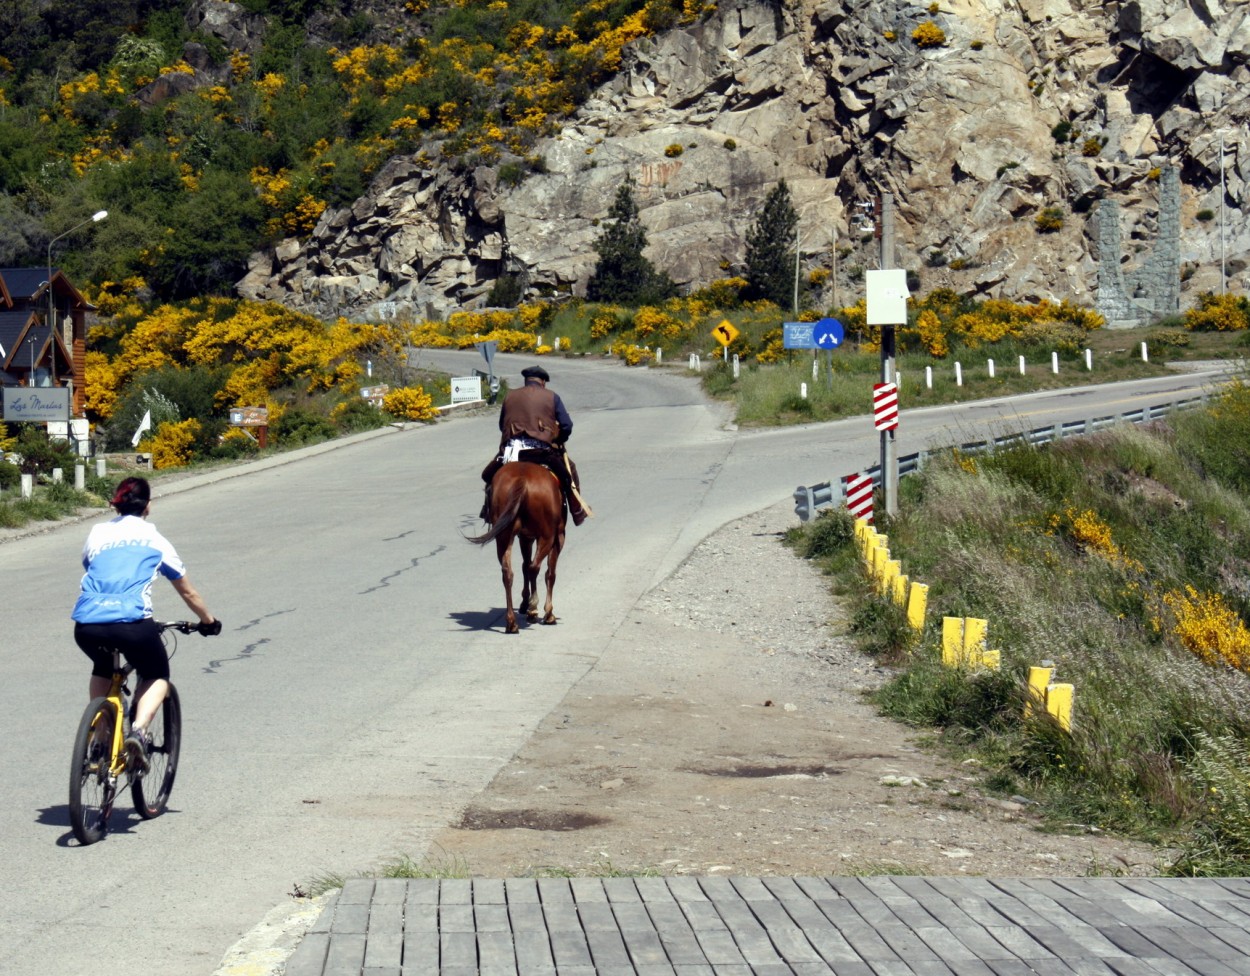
(828, 333)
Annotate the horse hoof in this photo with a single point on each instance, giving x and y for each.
(512, 629)
(550, 619)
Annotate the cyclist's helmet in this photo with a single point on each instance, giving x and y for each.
(132, 496)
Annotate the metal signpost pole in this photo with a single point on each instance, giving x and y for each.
(889, 445)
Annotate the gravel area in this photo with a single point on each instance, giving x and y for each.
(726, 731)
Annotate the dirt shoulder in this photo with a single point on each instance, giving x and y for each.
(725, 731)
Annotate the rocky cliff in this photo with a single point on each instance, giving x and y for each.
(1025, 106)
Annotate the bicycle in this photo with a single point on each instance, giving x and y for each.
(100, 760)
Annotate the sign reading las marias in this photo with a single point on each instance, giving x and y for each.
(37, 405)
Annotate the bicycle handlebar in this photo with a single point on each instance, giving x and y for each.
(187, 627)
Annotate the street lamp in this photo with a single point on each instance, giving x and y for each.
(95, 218)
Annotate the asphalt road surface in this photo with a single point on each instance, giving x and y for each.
(363, 690)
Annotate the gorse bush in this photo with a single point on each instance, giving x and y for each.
(261, 150)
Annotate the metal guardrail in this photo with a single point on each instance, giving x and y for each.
(808, 500)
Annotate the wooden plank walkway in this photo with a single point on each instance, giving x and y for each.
(712, 926)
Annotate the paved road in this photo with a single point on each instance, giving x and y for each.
(782, 927)
(363, 691)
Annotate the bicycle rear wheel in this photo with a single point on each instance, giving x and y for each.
(91, 792)
(150, 791)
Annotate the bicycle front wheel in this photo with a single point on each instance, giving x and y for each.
(150, 791)
(91, 791)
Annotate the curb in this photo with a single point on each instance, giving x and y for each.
(265, 950)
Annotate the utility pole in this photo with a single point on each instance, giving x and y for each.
(1223, 275)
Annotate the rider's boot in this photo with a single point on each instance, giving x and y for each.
(484, 514)
(575, 509)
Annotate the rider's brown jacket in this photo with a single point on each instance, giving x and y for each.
(529, 412)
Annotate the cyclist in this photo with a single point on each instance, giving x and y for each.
(123, 557)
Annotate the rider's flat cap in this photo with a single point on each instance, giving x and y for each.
(536, 373)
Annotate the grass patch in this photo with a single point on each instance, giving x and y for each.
(1122, 558)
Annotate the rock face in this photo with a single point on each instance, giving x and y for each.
(837, 99)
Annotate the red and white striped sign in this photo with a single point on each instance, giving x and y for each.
(859, 495)
(885, 406)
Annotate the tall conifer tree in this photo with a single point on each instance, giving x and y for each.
(622, 274)
(770, 249)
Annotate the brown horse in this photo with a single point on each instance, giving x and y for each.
(527, 504)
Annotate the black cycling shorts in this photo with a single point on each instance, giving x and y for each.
(138, 640)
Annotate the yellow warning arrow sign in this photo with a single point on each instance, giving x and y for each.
(725, 333)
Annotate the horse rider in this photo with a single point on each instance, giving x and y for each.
(534, 426)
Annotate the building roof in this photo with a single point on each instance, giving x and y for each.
(13, 323)
(23, 284)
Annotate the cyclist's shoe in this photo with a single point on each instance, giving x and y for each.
(138, 745)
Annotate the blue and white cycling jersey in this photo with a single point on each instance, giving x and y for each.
(123, 557)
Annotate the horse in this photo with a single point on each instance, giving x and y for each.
(527, 504)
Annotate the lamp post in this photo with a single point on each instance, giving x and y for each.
(30, 379)
(95, 218)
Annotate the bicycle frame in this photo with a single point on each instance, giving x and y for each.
(116, 696)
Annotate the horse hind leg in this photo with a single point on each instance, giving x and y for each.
(552, 554)
(529, 575)
(504, 548)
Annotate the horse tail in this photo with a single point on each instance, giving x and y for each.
(505, 519)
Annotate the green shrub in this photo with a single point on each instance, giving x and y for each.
(297, 427)
(1062, 132)
(40, 454)
(10, 475)
(358, 415)
(1049, 220)
(1204, 215)
(829, 533)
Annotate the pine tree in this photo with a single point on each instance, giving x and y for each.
(622, 274)
(770, 249)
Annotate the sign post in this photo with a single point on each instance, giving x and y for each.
(487, 349)
(887, 307)
(257, 417)
(725, 333)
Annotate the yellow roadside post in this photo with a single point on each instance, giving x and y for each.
(900, 590)
(952, 640)
(974, 638)
(917, 603)
(880, 556)
(891, 570)
(1039, 680)
(992, 659)
(1059, 704)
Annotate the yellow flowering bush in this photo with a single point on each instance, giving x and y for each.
(1218, 313)
(410, 403)
(722, 293)
(174, 444)
(931, 333)
(604, 321)
(1207, 627)
(631, 354)
(928, 34)
(1088, 531)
